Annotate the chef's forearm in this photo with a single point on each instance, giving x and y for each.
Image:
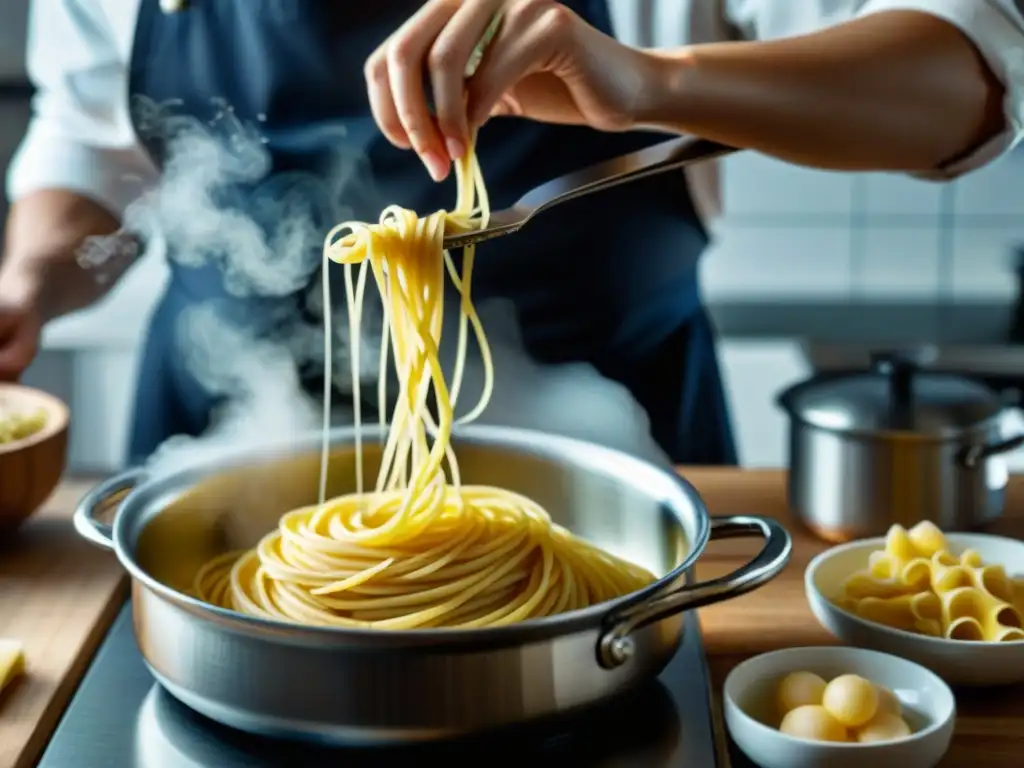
(900, 91)
(42, 264)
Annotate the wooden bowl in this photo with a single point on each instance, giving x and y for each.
(31, 468)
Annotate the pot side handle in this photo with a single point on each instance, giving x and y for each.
(615, 646)
(972, 456)
(101, 498)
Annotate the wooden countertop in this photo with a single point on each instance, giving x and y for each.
(990, 722)
(59, 595)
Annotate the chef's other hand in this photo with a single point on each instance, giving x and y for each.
(20, 327)
(544, 63)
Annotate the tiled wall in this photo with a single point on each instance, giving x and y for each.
(792, 232)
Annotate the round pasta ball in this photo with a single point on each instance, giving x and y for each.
(798, 689)
(851, 700)
(883, 727)
(813, 722)
(887, 702)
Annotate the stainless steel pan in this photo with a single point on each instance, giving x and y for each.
(364, 686)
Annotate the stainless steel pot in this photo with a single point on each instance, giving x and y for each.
(894, 444)
(364, 686)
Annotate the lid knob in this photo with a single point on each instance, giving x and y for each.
(900, 369)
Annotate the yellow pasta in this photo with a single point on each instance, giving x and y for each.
(917, 585)
(421, 549)
(889, 576)
(18, 425)
(948, 573)
(921, 612)
(866, 585)
(990, 578)
(927, 538)
(898, 544)
(12, 661)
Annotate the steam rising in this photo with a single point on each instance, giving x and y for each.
(213, 208)
(262, 402)
(249, 241)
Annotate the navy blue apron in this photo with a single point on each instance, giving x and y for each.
(610, 280)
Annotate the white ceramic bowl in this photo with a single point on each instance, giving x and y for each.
(959, 662)
(751, 717)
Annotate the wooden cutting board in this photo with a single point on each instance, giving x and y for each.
(990, 722)
(58, 596)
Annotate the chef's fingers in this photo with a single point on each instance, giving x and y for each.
(406, 62)
(14, 359)
(17, 347)
(448, 62)
(382, 102)
(529, 36)
(383, 105)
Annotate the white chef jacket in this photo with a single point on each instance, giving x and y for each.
(81, 138)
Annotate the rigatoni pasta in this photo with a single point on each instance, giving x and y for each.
(916, 584)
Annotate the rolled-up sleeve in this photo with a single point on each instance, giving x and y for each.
(996, 27)
(80, 137)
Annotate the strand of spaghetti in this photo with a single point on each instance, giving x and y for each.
(325, 437)
(354, 296)
(464, 200)
(473, 319)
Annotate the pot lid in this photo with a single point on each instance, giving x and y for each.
(894, 395)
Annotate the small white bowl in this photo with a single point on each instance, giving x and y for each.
(960, 662)
(751, 717)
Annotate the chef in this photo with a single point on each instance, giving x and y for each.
(929, 87)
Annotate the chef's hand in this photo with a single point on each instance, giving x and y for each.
(20, 328)
(62, 251)
(545, 63)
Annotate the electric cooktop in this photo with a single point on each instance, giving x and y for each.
(120, 718)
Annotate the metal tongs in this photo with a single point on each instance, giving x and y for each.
(659, 158)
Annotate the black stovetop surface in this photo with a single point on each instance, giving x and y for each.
(120, 718)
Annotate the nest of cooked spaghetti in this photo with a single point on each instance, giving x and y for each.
(485, 557)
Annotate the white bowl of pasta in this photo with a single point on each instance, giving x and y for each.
(951, 602)
(838, 707)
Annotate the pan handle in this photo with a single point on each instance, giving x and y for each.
(99, 499)
(615, 646)
(972, 457)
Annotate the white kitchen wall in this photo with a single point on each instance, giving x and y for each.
(755, 372)
(792, 232)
